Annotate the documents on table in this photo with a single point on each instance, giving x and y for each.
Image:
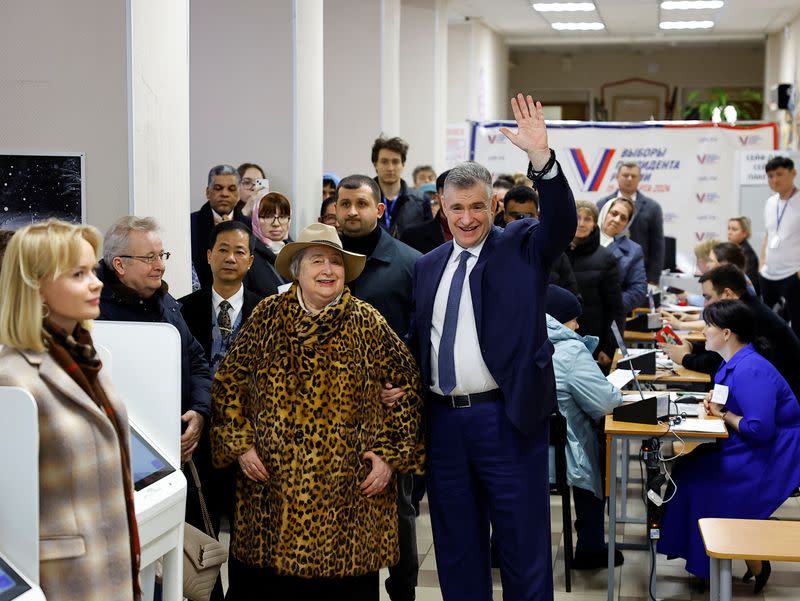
(693, 424)
(680, 308)
(620, 377)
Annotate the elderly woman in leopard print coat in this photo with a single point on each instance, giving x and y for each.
(297, 404)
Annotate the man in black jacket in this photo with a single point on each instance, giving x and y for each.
(222, 195)
(434, 232)
(402, 207)
(132, 270)
(522, 202)
(782, 345)
(386, 284)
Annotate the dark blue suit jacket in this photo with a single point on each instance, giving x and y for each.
(508, 286)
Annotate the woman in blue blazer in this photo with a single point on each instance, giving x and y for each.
(752, 472)
(615, 217)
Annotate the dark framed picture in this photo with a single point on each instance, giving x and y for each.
(36, 187)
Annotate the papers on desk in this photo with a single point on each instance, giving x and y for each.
(636, 352)
(693, 424)
(687, 408)
(680, 308)
(620, 377)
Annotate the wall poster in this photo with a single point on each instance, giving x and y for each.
(36, 187)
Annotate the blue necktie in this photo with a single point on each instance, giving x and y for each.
(447, 366)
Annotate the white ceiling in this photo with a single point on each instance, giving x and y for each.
(627, 21)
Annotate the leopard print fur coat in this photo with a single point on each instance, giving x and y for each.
(305, 391)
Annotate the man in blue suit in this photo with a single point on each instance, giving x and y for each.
(480, 337)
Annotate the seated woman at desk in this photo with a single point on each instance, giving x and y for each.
(584, 398)
(88, 538)
(751, 473)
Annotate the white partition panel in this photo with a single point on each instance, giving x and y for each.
(146, 372)
(19, 480)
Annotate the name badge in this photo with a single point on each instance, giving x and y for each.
(774, 241)
(720, 395)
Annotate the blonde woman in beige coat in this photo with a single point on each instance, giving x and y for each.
(88, 547)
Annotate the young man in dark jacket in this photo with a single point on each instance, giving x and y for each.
(403, 208)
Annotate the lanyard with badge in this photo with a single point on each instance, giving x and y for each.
(775, 240)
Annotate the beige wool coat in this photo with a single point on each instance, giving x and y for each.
(84, 544)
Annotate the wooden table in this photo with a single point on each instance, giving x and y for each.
(728, 539)
(680, 375)
(617, 431)
(631, 336)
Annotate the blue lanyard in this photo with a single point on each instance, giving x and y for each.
(779, 214)
(390, 203)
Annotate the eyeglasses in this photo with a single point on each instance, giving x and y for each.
(248, 183)
(149, 259)
(282, 219)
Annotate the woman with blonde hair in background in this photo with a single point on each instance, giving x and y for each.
(88, 538)
(739, 232)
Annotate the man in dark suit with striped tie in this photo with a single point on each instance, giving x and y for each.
(214, 316)
(479, 334)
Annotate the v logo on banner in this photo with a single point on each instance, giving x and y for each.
(592, 179)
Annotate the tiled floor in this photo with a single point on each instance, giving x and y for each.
(673, 582)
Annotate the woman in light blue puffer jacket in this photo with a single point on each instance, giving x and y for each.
(585, 396)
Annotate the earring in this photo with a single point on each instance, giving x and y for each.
(45, 311)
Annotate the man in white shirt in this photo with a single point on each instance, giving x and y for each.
(780, 252)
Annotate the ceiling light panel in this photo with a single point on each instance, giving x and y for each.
(563, 7)
(691, 4)
(589, 26)
(686, 24)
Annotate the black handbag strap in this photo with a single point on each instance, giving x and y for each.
(203, 507)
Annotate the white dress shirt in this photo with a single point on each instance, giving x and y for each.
(236, 301)
(782, 258)
(472, 375)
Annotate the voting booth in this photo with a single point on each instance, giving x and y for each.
(144, 362)
(19, 499)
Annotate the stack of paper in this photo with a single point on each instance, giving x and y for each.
(692, 424)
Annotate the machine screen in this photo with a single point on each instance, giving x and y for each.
(148, 464)
(11, 584)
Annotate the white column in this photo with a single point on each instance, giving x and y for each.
(309, 99)
(423, 81)
(477, 73)
(159, 127)
(257, 95)
(362, 82)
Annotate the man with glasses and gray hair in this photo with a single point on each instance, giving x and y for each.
(132, 271)
(222, 197)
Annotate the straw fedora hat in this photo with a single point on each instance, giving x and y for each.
(313, 235)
